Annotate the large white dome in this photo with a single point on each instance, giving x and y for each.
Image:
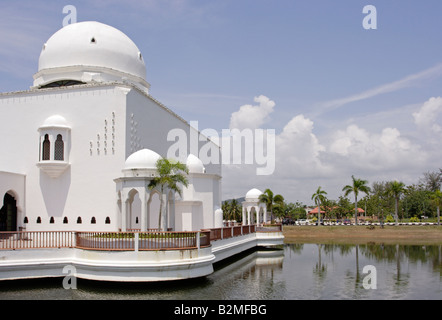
(93, 47)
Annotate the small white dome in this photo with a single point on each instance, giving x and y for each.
(142, 159)
(194, 164)
(253, 194)
(55, 121)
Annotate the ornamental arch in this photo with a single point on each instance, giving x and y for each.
(8, 212)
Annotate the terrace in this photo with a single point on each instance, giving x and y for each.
(127, 256)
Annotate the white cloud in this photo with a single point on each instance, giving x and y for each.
(369, 152)
(297, 153)
(427, 116)
(305, 160)
(352, 137)
(252, 117)
(298, 149)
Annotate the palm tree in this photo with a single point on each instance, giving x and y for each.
(318, 197)
(170, 175)
(436, 197)
(359, 185)
(236, 210)
(395, 189)
(226, 210)
(232, 210)
(269, 200)
(279, 208)
(432, 180)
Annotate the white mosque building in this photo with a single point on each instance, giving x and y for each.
(80, 146)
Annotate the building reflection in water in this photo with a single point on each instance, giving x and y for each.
(252, 275)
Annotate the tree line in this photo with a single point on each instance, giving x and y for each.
(390, 201)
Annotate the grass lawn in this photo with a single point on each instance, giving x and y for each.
(361, 234)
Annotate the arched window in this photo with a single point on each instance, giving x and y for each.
(8, 213)
(55, 142)
(52, 220)
(107, 221)
(38, 220)
(46, 148)
(79, 220)
(59, 148)
(26, 220)
(65, 220)
(93, 220)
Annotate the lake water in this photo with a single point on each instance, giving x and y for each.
(294, 271)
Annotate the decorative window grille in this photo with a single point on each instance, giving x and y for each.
(59, 148)
(46, 148)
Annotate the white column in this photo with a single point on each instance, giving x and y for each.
(149, 202)
(52, 148)
(118, 210)
(143, 198)
(244, 215)
(123, 215)
(136, 241)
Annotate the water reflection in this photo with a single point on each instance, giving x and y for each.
(251, 276)
(294, 271)
(336, 271)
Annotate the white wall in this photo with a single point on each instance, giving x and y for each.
(206, 189)
(148, 125)
(189, 215)
(101, 118)
(86, 189)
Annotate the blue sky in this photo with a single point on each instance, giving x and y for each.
(346, 100)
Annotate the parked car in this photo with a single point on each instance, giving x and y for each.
(302, 222)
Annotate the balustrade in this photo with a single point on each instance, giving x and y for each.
(125, 241)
